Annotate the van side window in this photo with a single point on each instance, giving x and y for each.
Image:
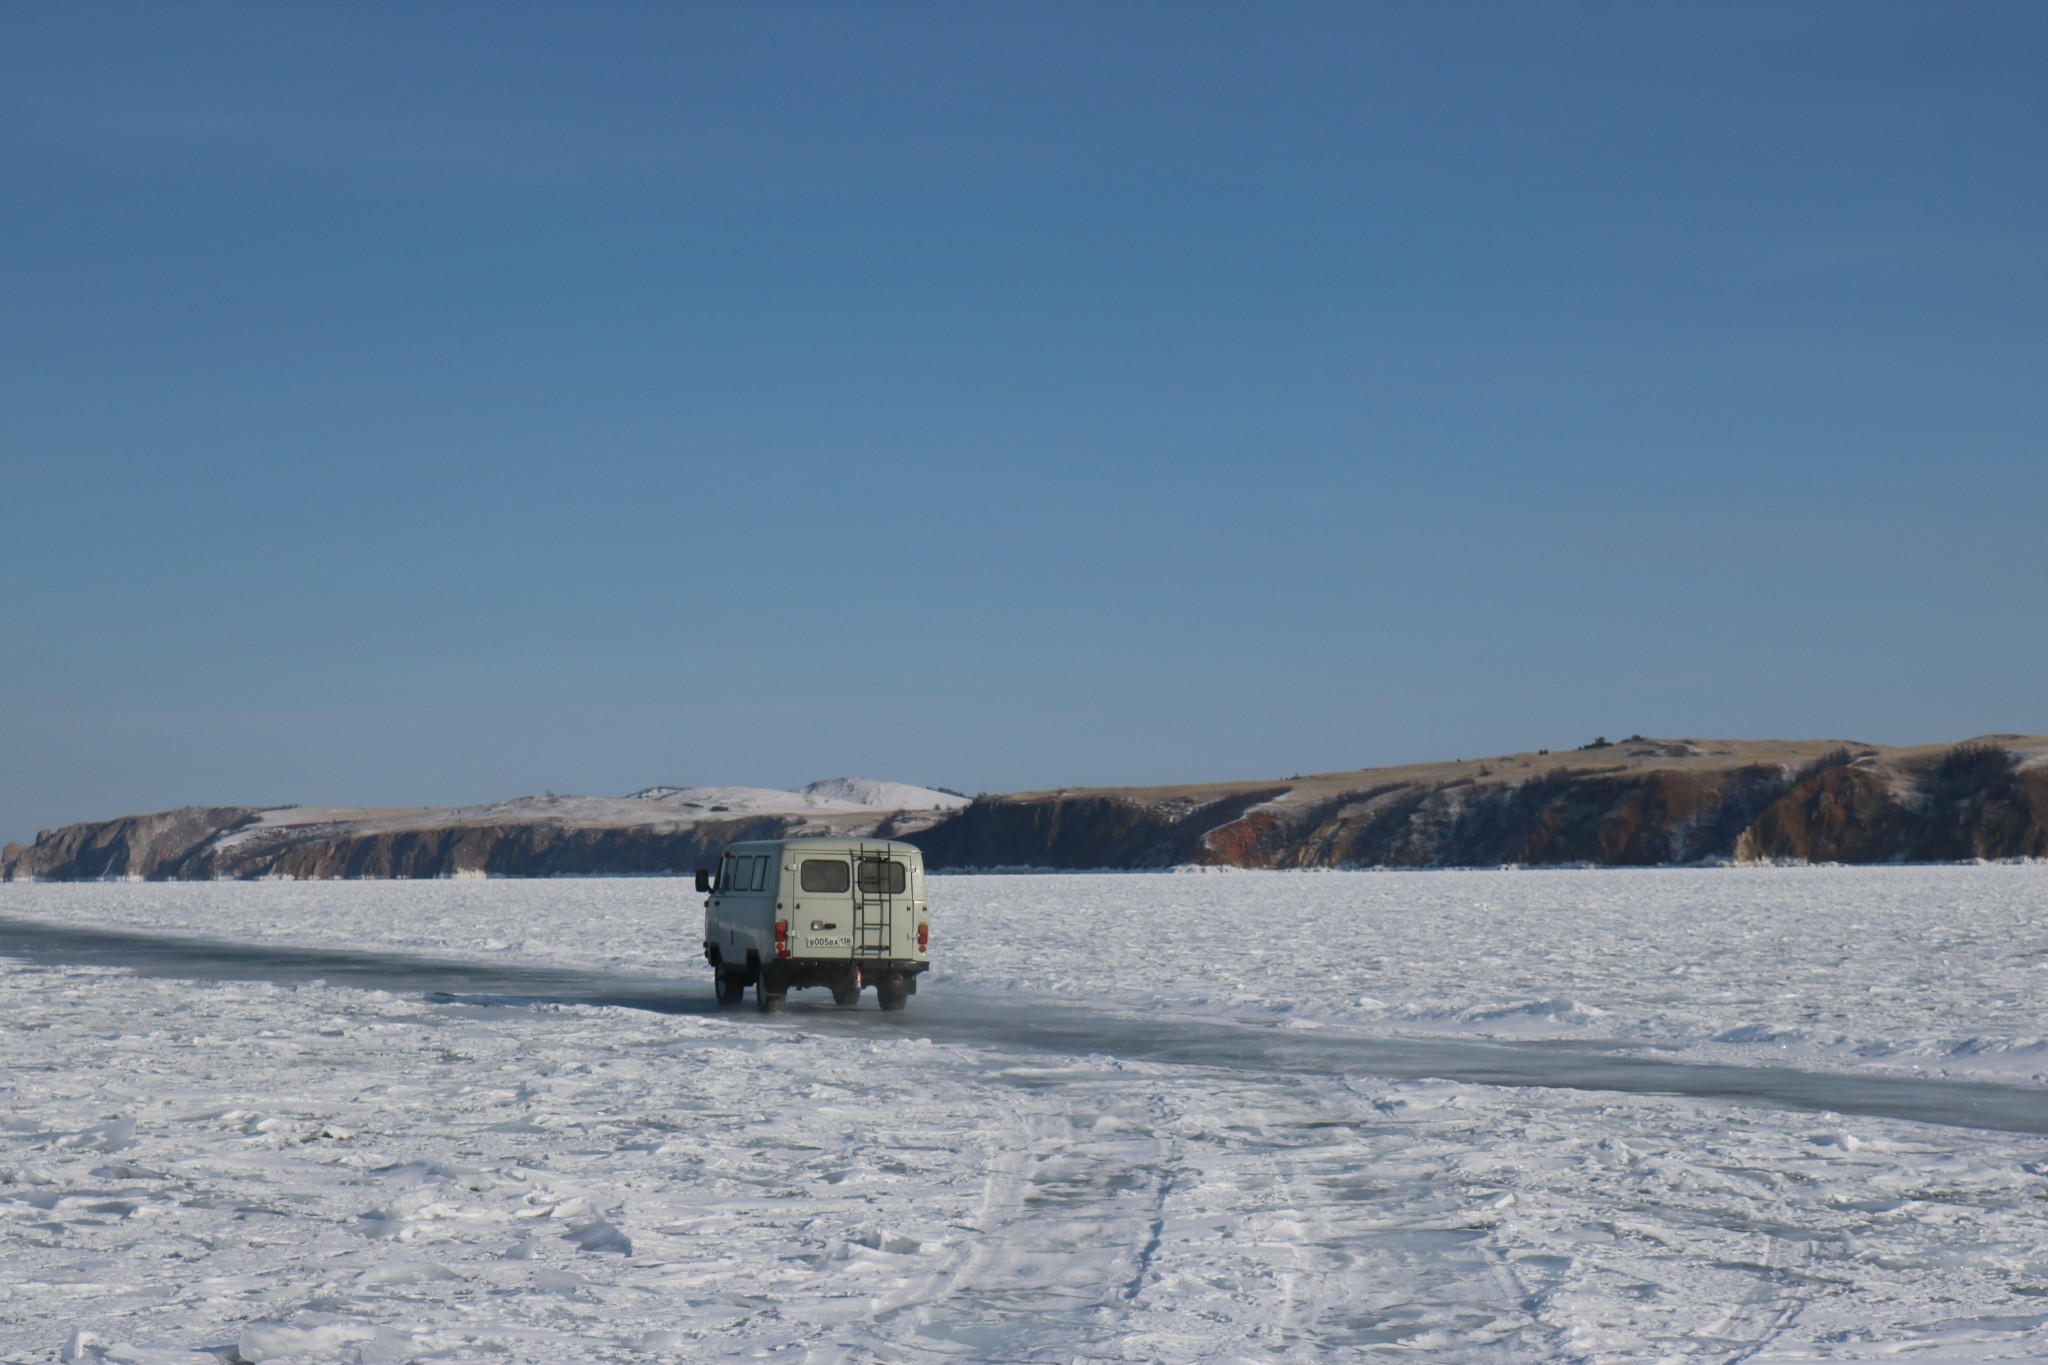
(882, 878)
(826, 875)
(760, 877)
(725, 866)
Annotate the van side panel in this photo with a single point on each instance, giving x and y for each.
(739, 919)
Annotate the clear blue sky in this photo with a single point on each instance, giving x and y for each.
(419, 404)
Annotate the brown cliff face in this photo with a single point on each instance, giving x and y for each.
(145, 847)
(1841, 815)
(1972, 801)
(1565, 815)
(1645, 804)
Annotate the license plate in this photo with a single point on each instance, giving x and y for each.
(830, 942)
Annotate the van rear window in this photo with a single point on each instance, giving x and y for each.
(827, 875)
(879, 877)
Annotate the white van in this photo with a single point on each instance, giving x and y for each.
(838, 913)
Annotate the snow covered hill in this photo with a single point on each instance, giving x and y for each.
(661, 830)
(841, 794)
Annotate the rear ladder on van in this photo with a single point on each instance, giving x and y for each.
(874, 906)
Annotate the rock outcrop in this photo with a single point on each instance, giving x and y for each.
(531, 837)
(1640, 803)
(159, 847)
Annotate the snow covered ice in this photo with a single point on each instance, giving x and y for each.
(1771, 1114)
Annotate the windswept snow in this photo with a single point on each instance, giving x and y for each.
(656, 807)
(1552, 1116)
(868, 793)
(831, 795)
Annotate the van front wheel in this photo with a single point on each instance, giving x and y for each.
(732, 992)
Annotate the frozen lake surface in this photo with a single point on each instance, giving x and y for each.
(1783, 1114)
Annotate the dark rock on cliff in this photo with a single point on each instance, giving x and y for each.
(1973, 801)
(1978, 802)
(1087, 831)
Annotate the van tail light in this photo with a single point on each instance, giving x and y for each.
(782, 938)
(924, 938)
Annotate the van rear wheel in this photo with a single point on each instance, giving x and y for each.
(891, 999)
(770, 1002)
(846, 990)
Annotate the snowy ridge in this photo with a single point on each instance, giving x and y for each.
(862, 791)
(841, 795)
(656, 806)
(660, 831)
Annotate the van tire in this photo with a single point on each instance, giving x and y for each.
(731, 990)
(846, 995)
(891, 999)
(770, 1002)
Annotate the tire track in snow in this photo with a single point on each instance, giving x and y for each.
(1062, 1027)
(1057, 1246)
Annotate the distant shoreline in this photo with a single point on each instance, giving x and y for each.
(1633, 803)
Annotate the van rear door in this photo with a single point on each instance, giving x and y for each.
(821, 905)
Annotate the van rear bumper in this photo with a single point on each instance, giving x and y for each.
(837, 968)
(795, 973)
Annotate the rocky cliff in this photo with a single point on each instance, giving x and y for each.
(1636, 803)
(665, 831)
(144, 847)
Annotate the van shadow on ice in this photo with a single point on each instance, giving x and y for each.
(205, 959)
